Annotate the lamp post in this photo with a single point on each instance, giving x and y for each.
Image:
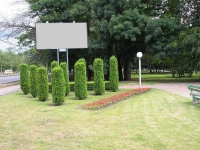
(139, 55)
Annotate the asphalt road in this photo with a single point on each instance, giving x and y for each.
(7, 79)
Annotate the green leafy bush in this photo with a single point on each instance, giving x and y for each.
(82, 60)
(63, 65)
(107, 85)
(58, 86)
(80, 86)
(24, 78)
(99, 84)
(42, 77)
(113, 76)
(33, 80)
(54, 64)
(90, 86)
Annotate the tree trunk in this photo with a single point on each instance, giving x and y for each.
(150, 69)
(127, 72)
(89, 74)
(120, 69)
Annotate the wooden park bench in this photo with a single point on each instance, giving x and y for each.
(195, 93)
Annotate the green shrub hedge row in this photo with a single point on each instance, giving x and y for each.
(24, 78)
(99, 84)
(43, 92)
(90, 86)
(58, 85)
(33, 80)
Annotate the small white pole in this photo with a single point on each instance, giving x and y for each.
(139, 55)
(140, 73)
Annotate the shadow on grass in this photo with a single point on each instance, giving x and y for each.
(54, 105)
(20, 93)
(191, 104)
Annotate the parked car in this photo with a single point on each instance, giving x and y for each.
(8, 72)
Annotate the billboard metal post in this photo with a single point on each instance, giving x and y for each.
(67, 62)
(58, 56)
(67, 59)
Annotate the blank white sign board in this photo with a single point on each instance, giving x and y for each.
(61, 35)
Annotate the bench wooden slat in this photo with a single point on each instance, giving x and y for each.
(195, 93)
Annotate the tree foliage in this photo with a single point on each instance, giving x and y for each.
(120, 28)
(10, 60)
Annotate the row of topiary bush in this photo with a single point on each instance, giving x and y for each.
(80, 86)
(37, 81)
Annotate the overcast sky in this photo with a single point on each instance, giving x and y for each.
(9, 8)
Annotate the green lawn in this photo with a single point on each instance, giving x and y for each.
(152, 78)
(153, 120)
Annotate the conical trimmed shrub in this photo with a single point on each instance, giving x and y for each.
(33, 80)
(54, 64)
(43, 88)
(99, 84)
(24, 78)
(58, 86)
(80, 87)
(114, 75)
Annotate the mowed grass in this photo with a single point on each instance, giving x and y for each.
(153, 120)
(151, 78)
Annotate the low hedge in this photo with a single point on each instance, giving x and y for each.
(90, 86)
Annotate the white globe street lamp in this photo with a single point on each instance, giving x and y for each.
(139, 55)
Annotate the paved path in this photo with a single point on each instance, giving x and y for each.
(10, 89)
(177, 88)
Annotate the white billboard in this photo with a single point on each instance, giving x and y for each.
(61, 35)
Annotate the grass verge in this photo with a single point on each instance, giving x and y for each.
(151, 78)
(153, 120)
(3, 85)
